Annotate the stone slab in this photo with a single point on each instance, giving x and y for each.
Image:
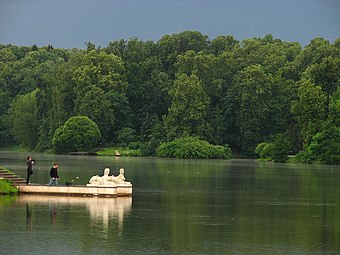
(77, 190)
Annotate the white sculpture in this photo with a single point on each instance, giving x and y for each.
(108, 180)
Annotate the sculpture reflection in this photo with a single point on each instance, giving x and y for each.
(99, 208)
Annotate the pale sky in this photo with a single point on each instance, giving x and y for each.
(71, 23)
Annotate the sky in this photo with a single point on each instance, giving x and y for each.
(72, 23)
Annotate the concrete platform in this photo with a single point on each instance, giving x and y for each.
(77, 190)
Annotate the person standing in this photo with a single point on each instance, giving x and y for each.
(29, 162)
(54, 175)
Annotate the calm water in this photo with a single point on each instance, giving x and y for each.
(178, 207)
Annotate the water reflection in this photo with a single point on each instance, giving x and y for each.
(53, 206)
(101, 210)
(28, 217)
(180, 207)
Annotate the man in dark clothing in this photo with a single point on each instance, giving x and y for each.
(54, 175)
(29, 162)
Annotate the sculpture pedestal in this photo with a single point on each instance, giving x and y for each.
(113, 185)
(118, 184)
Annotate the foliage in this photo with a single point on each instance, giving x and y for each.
(276, 151)
(222, 90)
(303, 157)
(126, 136)
(325, 145)
(259, 149)
(309, 108)
(187, 113)
(193, 147)
(6, 188)
(254, 89)
(23, 120)
(95, 105)
(79, 133)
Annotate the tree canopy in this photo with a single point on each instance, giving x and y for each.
(223, 91)
(79, 133)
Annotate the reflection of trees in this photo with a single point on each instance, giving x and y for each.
(250, 205)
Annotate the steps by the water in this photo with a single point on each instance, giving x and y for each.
(14, 179)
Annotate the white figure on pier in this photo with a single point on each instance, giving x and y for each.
(106, 179)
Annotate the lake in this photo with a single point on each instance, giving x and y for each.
(177, 207)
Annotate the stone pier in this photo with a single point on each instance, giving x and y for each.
(78, 190)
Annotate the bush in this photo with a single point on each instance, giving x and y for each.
(77, 134)
(267, 152)
(281, 149)
(259, 148)
(192, 147)
(303, 157)
(276, 151)
(325, 146)
(149, 148)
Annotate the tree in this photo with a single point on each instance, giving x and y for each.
(148, 90)
(23, 119)
(170, 46)
(324, 147)
(5, 101)
(254, 95)
(95, 105)
(99, 69)
(309, 109)
(314, 53)
(223, 43)
(188, 110)
(334, 108)
(79, 133)
(326, 75)
(125, 136)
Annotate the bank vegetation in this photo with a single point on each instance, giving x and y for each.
(260, 97)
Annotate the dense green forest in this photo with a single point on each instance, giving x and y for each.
(259, 95)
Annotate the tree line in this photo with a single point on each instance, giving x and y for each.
(144, 93)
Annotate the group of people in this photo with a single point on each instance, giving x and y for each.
(53, 172)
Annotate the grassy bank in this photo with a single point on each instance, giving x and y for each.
(13, 147)
(6, 188)
(119, 152)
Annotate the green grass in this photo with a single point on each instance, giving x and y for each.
(122, 151)
(6, 188)
(13, 147)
